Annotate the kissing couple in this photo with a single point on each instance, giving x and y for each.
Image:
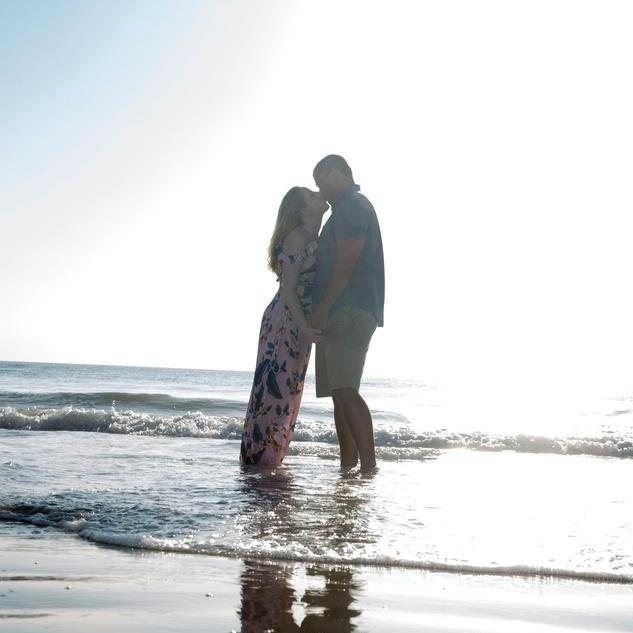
(331, 292)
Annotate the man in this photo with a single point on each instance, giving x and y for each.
(348, 299)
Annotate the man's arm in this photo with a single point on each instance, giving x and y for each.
(345, 258)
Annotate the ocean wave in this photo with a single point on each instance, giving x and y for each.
(41, 516)
(393, 441)
(288, 555)
(155, 403)
(119, 399)
(194, 424)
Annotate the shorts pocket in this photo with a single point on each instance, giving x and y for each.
(362, 321)
(341, 322)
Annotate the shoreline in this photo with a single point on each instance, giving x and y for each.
(519, 572)
(143, 590)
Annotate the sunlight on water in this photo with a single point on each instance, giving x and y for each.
(462, 511)
(494, 484)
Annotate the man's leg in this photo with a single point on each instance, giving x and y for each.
(358, 420)
(349, 452)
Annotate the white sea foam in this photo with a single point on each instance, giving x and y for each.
(394, 441)
(156, 467)
(298, 552)
(302, 554)
(456, 510)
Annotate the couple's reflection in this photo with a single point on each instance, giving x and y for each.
(267, 598)
(329, 608)
(270, 598)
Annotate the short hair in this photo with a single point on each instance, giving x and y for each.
(334, 161)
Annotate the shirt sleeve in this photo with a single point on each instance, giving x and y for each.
(352, 221)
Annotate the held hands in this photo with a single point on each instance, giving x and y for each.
(311, 334)
(313, 329)
(318, 320)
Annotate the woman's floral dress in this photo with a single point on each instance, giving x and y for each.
(282, 360)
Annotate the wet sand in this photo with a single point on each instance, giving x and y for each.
(51, 581)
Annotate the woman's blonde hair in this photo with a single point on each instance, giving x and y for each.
(288, 218)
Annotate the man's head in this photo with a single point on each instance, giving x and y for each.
(332, 175)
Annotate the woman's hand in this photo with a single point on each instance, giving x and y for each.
(311, 334)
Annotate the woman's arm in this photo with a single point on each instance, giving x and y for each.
(294, 243)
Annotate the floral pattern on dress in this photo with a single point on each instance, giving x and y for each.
(282, 360)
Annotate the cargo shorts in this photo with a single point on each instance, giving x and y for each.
(341, 352)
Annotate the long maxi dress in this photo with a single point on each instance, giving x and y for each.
(282, 360)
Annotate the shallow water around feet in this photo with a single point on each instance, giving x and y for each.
(481, 480)
(460, 510)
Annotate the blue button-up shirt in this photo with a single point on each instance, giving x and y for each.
(353, 217)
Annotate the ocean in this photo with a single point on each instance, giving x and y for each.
(148, 458)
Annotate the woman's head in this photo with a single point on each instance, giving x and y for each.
(299, 206)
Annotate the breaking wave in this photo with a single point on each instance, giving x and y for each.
(394, 439)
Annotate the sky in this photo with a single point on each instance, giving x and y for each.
(145, 147)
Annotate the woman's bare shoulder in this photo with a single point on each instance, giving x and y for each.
(295, 241)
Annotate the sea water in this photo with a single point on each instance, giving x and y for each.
(148, 458)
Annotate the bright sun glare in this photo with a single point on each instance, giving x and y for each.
(493, 139)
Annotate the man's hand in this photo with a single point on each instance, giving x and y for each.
(311, 334)
(318, 320)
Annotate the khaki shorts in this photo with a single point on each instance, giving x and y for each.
(340, 355)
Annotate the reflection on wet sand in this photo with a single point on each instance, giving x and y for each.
(328, 609)
(273, 598)
(268, 598)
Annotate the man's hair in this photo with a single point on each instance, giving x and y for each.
(334, 161)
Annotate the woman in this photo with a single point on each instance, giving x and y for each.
(285, 337)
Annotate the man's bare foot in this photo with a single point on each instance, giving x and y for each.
(369, 472)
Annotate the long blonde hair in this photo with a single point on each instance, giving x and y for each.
(288, 218)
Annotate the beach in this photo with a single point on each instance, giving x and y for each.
(52, 581)
(194, 192)
(124, 485)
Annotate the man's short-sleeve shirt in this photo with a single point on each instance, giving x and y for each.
(353, 217)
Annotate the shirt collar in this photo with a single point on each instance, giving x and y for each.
(348, 191)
